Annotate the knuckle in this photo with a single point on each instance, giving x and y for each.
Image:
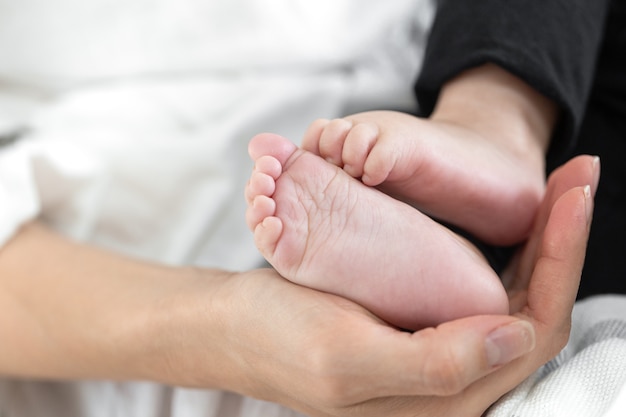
(558, 337)
(444, 374)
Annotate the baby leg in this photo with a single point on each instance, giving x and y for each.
(447, 171)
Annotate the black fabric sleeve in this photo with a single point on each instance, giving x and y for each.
(552, 45)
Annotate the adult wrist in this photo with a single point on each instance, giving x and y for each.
(186, 332)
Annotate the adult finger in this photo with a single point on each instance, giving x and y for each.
(578, 172)
(554, 283)
(443, 360)
(551, 293)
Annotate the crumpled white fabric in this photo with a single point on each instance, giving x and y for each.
(137, 102)
(138, 114)
(588, 378)
(155, 169)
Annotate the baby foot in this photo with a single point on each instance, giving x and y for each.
(321, 228)
(448, 171)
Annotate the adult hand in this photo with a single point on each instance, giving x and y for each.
(326, 356)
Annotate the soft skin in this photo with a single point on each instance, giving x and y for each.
(476, 162)
(260, 335)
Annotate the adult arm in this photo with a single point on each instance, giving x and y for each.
(72, 311)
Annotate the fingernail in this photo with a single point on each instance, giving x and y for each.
(588, 204)
(509, 342)
(596, 173)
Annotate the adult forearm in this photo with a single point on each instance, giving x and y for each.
(70, 311)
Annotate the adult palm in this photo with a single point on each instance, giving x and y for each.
(326, 356)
